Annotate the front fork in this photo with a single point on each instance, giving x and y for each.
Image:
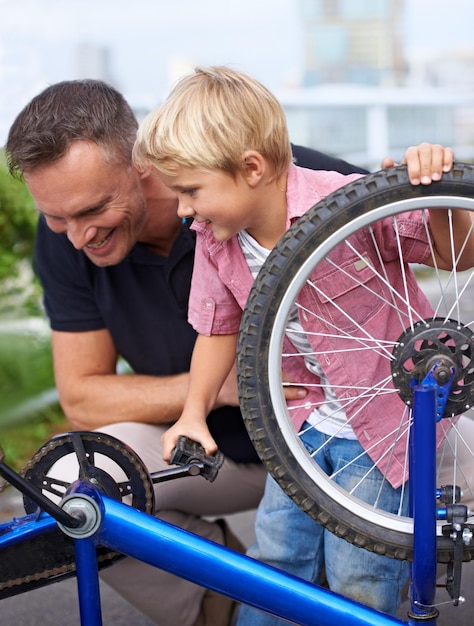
(423, 504)
(429, 398)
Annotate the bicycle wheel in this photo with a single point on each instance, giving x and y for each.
(304, 276)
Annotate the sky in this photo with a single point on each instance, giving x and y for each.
(149, 39)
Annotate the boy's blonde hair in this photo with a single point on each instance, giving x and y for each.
(209, 120)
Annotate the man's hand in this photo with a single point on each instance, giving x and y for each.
(294, 391)
(228, 395)
(425, 162)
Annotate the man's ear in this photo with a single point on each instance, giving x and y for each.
(254, 166)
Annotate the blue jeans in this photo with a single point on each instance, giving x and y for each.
(290, 540)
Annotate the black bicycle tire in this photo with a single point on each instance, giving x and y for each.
(336, 210)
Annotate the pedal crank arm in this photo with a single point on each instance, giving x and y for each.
(29, 490)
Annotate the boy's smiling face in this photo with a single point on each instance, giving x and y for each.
(225, 202)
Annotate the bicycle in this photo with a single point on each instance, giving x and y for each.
(428, 365)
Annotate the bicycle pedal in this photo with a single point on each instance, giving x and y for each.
(188, 451)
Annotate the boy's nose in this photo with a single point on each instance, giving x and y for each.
(185, 211)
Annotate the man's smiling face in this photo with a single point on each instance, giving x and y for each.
(99, 205)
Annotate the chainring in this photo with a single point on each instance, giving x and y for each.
(49, 557)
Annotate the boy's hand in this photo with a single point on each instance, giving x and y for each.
(192, 428)
(425, 162)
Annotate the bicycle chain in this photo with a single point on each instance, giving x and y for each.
(54, 572)
(103, 558)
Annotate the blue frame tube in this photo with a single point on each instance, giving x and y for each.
(22, 528)
(88, 582)
(423, 500)
(213, 566)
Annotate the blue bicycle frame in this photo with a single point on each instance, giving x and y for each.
(119, 527)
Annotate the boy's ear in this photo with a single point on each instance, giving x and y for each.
(144, 169)
(253, 166)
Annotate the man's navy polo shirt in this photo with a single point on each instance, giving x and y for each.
(143, 302)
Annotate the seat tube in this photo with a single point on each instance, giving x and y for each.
(423, 502)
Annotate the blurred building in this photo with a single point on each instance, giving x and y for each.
(364, 123)
(452, 73)
(93, 61)
(361, 98)
(352, 41)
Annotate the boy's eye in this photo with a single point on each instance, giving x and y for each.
(189, 192)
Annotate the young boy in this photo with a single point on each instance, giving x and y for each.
(220, 142)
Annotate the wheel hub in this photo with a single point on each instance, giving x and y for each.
(447, 348)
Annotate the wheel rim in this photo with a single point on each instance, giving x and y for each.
(398, 523)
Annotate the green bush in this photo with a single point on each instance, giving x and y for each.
(19, 289)
(25, 368)
(29, 412)
(18, 218)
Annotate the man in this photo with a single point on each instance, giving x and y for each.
(116, 262)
